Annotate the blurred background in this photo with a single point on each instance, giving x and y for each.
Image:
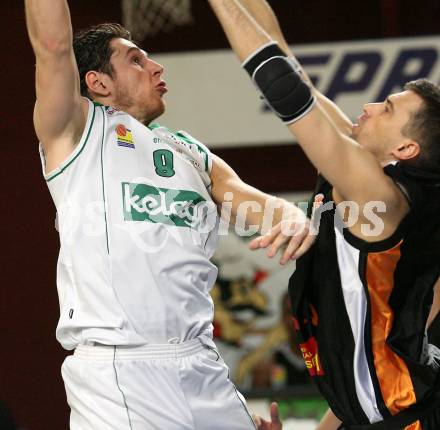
(355, 52)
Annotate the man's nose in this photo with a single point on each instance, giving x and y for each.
(370, 108)
(156, 68)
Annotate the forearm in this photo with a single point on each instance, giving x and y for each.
(264, 16)
(249, 24)
(324, 141)
(329, 422)
(60, 114)
(49, 26)
(267, 20)
(347, 165)
(242, 31)
(251, 207)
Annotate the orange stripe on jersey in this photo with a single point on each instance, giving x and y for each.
(394, 378)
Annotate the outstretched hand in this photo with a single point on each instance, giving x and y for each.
(275, 421)
(295, 236)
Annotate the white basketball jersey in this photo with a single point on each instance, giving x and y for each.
(137, 229)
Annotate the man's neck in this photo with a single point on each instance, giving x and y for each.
(144, 119)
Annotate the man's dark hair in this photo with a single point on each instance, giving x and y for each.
(424, 125)
(92, 50)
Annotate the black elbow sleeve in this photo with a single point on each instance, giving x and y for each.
(280, 84)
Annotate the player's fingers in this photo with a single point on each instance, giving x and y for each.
(260, 423)
(257, 420)
(255, 243)
(277, 243)
(319, 199)
(275, 416)
(305, 246)
(268, 238)
(294, 245)
(318, 202)
(292, 232)
(265, 425)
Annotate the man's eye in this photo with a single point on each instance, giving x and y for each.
(137, 60)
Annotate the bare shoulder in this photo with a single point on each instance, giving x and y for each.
(374, 220)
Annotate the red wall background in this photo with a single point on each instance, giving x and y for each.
(30, 357)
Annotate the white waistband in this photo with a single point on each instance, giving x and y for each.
(152, 351)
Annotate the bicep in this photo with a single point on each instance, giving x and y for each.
(60, 112)
(340, 119)
(265, 17)
(223, 178)
(348, 166)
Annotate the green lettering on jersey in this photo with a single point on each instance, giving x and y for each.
(164, 163)
(182, 208)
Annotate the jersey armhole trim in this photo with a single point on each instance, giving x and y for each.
(103, 179)
(396, 239)
(189, 139)
(77, 151)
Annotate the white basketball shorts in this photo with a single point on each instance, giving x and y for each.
(182, 386)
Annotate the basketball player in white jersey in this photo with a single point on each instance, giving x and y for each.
(137, 217)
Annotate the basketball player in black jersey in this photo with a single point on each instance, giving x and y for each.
(364, 296)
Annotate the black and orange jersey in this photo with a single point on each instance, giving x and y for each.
(361, 308)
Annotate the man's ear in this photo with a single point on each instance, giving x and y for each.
(98, 83)
(407, 150)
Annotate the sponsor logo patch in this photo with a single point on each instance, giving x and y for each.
(310, 354)
(124, 136)
(180, 208)
(111, 110)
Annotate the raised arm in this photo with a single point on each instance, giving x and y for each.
(264, 16)
(60, 112)
(354, 172)
(283, 225)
